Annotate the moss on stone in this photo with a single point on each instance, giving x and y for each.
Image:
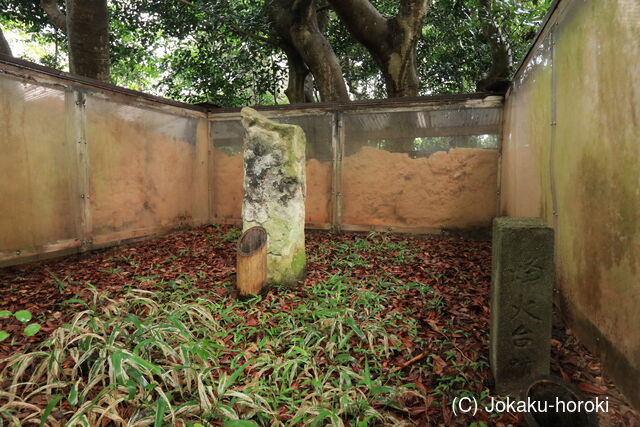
(274, 185)
(295, 271)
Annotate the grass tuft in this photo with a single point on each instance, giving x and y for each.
(174, 357)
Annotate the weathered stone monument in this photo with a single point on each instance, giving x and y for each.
(521, 302)
(274, 192)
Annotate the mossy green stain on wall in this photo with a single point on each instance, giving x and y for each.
(527, 140)
(598, 175)
(596, 165)
(541, 125)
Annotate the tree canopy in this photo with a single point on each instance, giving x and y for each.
(240, 52)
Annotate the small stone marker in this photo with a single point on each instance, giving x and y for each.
(274, 192)
(521, 302)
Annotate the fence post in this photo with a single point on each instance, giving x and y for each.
(77, 124)
(210, 169)
(337, 148)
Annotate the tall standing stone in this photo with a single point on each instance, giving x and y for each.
(274, 192)
(521, 302)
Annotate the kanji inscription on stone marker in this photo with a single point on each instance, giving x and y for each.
(521, 301)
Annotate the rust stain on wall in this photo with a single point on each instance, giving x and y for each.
(37, 166)
(228, 191)
(447, 189)
(142, 176)
(227, 185)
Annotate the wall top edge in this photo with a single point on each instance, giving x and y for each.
(548, 22)
(466, 100)
(30, 70)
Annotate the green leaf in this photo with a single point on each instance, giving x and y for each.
(120, 355)
(116, 363)
(239, 423)
(144, 363)
(5, 313)
(366, 380)
(23, 315)
(323, 414)
(344, 358)
(352, 324)
(381, 390)
(132, 388)
(31, 329)
(74, 301)
(52, 404)
(73, 396)
(232, 379)
(137, 377)
(4, 335)
(161, 409)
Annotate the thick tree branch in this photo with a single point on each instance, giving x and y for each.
(326, 7)
(322, 16)
(5, 49)
(317, 52)
(501, 62)
(391, 42)
(363, 21)
(412, 10)
(54, 14)
(298, 90)
(296, 22)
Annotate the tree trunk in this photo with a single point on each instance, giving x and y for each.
(296, 22)
(88, 34)
(298, 90)
(86, 26)
(399, 71)
(497, 78)
(391, 42)
(54, 14)
(5, 49)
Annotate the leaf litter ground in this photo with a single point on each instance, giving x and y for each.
(385, 330)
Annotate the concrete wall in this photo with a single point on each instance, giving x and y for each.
(88, 165)
(148, 169)
(571, 155)
(227, 136)
(443, 175)
(40, 204)
(84, 166)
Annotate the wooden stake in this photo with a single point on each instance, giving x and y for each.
(251, 261)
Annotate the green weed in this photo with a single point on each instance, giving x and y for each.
(172, 356)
